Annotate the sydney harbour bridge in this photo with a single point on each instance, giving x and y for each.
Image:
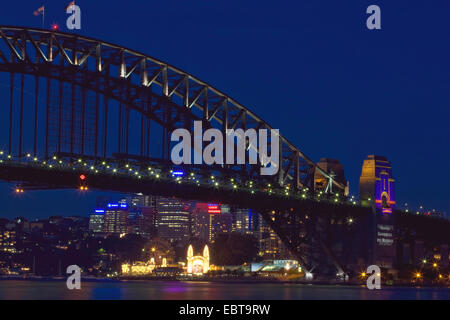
(77, 107)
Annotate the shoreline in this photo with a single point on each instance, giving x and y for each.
(225, 281)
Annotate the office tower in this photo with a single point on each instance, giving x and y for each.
(96, 221)
(270, 245)
(220, 221)
(144, 222)
(173, 219)
(246, 222)
(8, 239)
(242, 221)
(210, 220)
(200, 221)
(139, 200)
(116, 219)
(142, 214)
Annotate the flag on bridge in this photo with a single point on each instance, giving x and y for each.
(40, 11)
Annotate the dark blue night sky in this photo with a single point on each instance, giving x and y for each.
(309, 67)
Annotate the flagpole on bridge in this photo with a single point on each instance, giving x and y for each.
(39, 11)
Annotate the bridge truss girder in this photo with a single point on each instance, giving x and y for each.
(157, 90)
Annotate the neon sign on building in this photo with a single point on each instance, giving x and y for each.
(213, 208)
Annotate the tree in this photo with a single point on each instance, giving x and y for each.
(234, 249)
(128, 248)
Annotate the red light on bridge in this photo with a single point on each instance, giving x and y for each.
(55, 27)
(82, 177)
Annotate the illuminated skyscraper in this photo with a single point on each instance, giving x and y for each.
(139, 201)
(242, 221)
(377, 184)
(116, 219)
(8, 238)
(173, 219)
(200, 221)
(220, 221)
(270, 245)
(96, 221)
(210, 220)
(142, 214)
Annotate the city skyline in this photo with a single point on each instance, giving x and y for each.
(146, 234)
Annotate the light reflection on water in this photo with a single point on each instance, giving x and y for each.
(143, 290)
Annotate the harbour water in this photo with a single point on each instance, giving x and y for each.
(167, 290)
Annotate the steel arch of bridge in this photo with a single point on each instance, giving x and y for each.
(158, 91)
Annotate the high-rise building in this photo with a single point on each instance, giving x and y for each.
(173, 219)
(116, 219)
(144, 222)
(142, 214)
(200, 221)
(96, 221)
(139, 201)
(270, 245)
(8, 239)
(242, 221)
(220, 221)
(246, 222)
(210, 220)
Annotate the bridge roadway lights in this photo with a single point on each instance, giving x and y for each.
(63, 179)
